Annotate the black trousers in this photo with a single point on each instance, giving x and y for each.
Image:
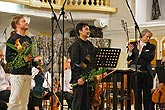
(67, 96)
(81, 97)
(34, 101)
(143, 90)
(4, 95)
(3, 105)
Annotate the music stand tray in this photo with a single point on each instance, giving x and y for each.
(107, 57)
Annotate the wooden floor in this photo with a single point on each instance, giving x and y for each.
(66, 108)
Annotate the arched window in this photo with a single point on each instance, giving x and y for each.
(155, 10)
(162, 8)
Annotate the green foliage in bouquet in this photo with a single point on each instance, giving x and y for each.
(90, 78)
(22, 50)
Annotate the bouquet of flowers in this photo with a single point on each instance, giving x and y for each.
(22, 51)
(90, 78)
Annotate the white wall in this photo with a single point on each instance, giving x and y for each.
(118, 40)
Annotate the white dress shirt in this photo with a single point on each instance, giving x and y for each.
(4, 82)
(67, 78)
(142, 44)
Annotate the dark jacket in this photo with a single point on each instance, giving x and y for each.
(145, 58)
(78, 52)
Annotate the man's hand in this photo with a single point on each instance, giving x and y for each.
(8, 88)
(80, 81)
(130, 47)
(71, 91)
(38, 58)
(88, 58)
(28, 58)
(82, 65)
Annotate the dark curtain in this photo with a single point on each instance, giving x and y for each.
(155, 10)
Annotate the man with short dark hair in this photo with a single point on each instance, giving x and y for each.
(81, 52)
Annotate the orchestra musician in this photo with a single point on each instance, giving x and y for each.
(35, 98)
(158, 94)
(4, 81)
(81, 52)
(38, 91)
(67, 89)
(4, 84)
(142, 53)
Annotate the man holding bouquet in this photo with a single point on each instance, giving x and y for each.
(81, 53)
(20, 63)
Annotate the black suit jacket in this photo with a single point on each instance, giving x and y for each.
(145, 58)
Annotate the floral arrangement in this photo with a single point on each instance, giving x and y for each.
(22, 50)
(90, 78)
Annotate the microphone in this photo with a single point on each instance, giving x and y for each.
(4, 32)
(123, 24)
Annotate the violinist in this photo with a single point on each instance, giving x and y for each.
(35, 98)
(4, 81)
(4, 84)
(158, 96)
(38, 92)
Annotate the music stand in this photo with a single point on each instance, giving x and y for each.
(107, 57)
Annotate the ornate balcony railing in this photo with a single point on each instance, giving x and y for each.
(76, 5)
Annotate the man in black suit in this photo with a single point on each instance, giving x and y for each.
(142, 53)
(81, 53)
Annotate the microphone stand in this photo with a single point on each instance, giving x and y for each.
(62, 32)
(136, 57)
(72, 20)
(63, 16)
(124, 25)
(52, 41)
(73, 23)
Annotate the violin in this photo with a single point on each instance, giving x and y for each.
(158, 95)
(96, 99)
(54, 102)
(38, 90)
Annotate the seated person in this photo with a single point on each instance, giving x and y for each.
(38, 92)
(158, 91)
(4, 81)
(3, 105)
(67, 89)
